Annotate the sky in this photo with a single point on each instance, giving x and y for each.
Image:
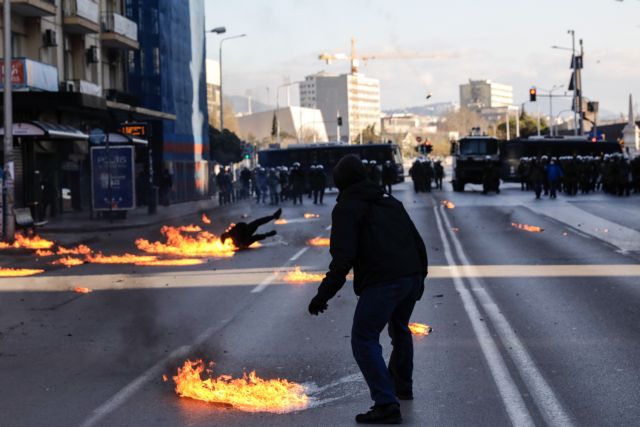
(506, 41)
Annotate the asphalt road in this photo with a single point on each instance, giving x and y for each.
(529, 328)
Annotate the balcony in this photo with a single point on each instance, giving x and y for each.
(81, 17)
(33, 8)
(28, 75)
(119, 32)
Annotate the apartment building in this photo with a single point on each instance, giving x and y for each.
(479, 94)
(73, 64)
(353, 97)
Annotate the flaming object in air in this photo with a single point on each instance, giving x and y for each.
(525, 227)
(203, 244)
(311, 215)
(447, 204)
(205, 219)
(319, 241)
(299, 276)
(81, 290)
(19, 272)
(281, 221)
(420, 329)
(23, 242)
(249, 393)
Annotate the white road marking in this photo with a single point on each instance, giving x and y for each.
(298, 254)
(266, 282)
(511, 397)
(542, 393)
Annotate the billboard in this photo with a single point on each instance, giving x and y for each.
(112, 178)
(27, 74)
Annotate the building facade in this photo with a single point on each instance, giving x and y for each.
(297, 124)
(481, 94)
(353, 97)
(168, 73)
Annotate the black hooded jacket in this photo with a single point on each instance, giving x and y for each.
(371, 233)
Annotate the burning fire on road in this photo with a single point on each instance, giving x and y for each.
(319, 241)
(249, 393)
(172, 262)
(525, 227)
(205, 219)
(203, 244)
(281, 221)
(447, 204)
(19, 272)
(420, 329)
(68, 261)
(299, 276)
(81, 290)
(24, 242)
(99, 258)
(311, 216)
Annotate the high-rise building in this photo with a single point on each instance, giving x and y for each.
(480, 94)
(168, 72)
(213, 92)
(353, 97)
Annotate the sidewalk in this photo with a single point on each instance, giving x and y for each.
(81, 222)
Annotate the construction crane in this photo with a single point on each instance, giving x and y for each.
(355, 59)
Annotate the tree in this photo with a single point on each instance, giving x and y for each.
(225, 147)
(463, 120)
(274, 126)
(528, 127)
(369, 135)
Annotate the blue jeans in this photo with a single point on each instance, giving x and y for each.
(386, 303)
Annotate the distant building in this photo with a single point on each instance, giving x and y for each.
(354, 97)
(213, 92)
(481, 94)
(296, 124)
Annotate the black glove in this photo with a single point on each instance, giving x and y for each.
(317, 305)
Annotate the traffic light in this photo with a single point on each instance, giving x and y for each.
(339, 121)
(533, 94)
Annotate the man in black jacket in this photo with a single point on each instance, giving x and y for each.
(373, 234)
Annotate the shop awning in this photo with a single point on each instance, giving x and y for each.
(46, 130)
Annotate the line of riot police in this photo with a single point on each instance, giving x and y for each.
(614, 174)
(426, 174)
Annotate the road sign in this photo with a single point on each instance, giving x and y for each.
(418, 139)
(112, 178)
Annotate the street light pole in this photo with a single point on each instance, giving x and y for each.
(220, 64)
(575, 97)
(8, 223)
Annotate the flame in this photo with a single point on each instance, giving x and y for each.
(525, 227)
(81, 290)
(44, 253)
(99, 258)
(68, 261)
(420, 329)
(311, 215)
(172, 262)
(78, 250)
(23, 242)
(249, 393)
(190, 228)
(205, 219)
(447, 204)
(204, 244)
(18, 272)
(165, 378)
(281, 221)
(299, 276)
(319, 241)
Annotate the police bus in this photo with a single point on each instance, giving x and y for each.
(328, 154)
(471, 153)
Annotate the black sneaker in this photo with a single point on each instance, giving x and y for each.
(277, 214)
(381, 414)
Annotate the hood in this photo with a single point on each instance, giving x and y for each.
(363, 190)
(348, 171)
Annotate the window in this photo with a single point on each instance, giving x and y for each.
(156, 61)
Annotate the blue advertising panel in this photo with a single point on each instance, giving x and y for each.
(112, 178)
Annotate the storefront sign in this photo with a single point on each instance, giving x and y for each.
(138, 130)
(27, 74)
(112, 178)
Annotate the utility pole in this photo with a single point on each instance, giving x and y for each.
(574, 82)
(8, 223)
(579, 65)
